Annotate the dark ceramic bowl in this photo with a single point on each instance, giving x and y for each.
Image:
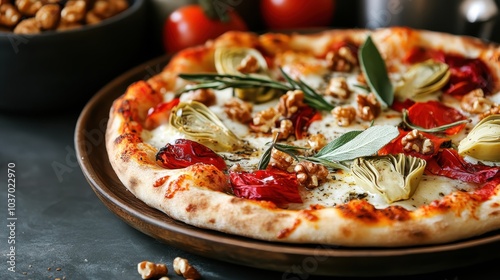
(60, 70)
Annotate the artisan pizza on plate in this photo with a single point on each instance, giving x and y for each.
(351, 137)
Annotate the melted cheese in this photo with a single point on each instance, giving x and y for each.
(340, 186)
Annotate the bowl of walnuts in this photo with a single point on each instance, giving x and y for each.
(55, 54)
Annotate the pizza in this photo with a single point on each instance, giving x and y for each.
(351, 137)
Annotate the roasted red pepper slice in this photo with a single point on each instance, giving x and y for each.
(400, 105)
(420, 54)
(396, 147)
(185, 152)
(272, 184)
(466, 74)
(450, 164)
(302, 119)
(433, 114)
(160, 114)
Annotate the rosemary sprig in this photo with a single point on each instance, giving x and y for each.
(288, 149)
(223, 81)
(311, 97)
(442, 128)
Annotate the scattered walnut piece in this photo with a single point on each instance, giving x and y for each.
(281, 160)
(474, 102)
(493, 111)
(337, 87)
(182, 267)
(341, 61)
(264, 121)
(150, 270)
(285, 129)
(48, 16)
(344, 115)
(238, 110)
(205, 96)
(9, 15)
(368, 106)
(291, 102)
(310, 174)
(27, 26)
(317, 141)
(415, 141)
(248, 65)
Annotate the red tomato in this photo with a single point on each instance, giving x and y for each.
(281, 14)
(190, 26)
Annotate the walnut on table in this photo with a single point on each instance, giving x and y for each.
(184, 268)
(150, 270)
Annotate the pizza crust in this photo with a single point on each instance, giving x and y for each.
(198, 195)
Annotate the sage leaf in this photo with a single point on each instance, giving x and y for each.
(374, 68)
(336, 143)
(366, 143)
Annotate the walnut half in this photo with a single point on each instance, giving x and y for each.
(310, 174)
(415, 141)
(150, 270)
(182, 267)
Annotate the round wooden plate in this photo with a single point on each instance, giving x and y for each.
(316, 259)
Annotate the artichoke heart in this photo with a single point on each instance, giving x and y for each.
(245, 61)
(395, 177)
(424, 78)
(196, 122)
(483, 141)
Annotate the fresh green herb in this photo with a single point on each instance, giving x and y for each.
(362, 87)
(362, 144)
(311, 97)
(223, 81)
(374, 68)
(288, 149)
(339, 152)
(407, 122)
